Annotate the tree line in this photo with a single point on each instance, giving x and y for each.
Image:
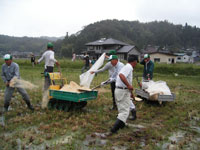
(21, 44)
(157, 33)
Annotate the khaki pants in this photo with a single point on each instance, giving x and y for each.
(123, 102)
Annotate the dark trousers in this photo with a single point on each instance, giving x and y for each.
(112, 85)
(85, 68)
(47, 81)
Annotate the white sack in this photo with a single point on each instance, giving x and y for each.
(156, 87)
(86, 78)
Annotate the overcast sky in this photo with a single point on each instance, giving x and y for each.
(56, 17)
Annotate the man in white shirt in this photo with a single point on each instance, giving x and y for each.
(50, 60)
(124, 92)
(113, 66)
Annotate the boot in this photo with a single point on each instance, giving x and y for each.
(6, 107)
(133, 113)
(114, 107)
(118, 125)
(30, 106)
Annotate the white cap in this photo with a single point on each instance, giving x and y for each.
(146, 56)
(7, 57)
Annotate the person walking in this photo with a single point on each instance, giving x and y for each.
(113, 66)
(50, 60)
(73, 57)
(33, 60)
(86, 66)
(10, 70)
(148, 67)
(123, 93)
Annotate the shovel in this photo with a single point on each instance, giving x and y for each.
(102, 84)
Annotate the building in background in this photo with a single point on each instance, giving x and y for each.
(104, 45)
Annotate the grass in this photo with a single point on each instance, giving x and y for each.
(49, 128)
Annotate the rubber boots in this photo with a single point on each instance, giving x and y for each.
(133, 113)
(118, 125)
(30, 106)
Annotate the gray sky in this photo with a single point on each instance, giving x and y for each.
(56, 17)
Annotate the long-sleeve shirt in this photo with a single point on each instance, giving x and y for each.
(113, 70)
(118, 67)
(48, 56)
(148, 69)
(8, 72)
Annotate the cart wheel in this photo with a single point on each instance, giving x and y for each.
(67, 106)
(80, 105)
(59, 105)
(51, 104)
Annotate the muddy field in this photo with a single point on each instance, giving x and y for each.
(172, 125)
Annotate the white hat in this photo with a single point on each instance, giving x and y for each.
(7, 57)
(146, 56)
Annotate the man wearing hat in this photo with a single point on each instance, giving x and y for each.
(113, 66)
(9, 70)
(50, 60)
(123, 93)
(148, 67)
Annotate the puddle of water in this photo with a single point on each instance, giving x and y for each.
(95, 139)
(136, 126)
(2, 120)
(2, 117)
(195, 128)
(19, 144)
(119, 148)
(177, 137)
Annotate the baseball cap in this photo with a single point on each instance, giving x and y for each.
(7, 57)
(146, 56)
(112, 52)
(112, 57)
(49, 45)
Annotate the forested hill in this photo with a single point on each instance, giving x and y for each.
(21, 44)
(160, 33)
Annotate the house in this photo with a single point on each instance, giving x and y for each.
(163, 57)
(104, 45)
(183, 57)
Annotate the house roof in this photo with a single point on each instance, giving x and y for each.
(103, 41)
(125, 49)
(163, 52)
(180, 54)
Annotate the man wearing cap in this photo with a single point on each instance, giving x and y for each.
(113, 66)
(50, 60)
(123, 93)
(9, 70)
(148, 67)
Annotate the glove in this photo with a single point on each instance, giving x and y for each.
(111, 80)
(103, 83)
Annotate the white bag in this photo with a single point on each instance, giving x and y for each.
(86, 78)
(157, 87)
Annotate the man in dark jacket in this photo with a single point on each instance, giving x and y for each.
(148, 67)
